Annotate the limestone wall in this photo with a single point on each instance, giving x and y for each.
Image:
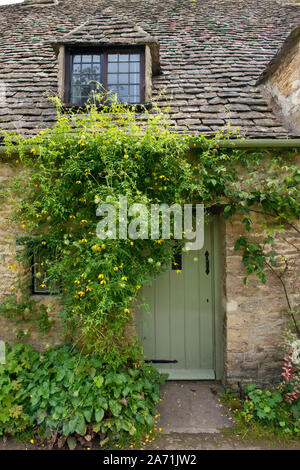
(9, 231)
(255, 316)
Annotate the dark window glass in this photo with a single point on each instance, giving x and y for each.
(118, 73)
(85, 74)
(41, 284)
(127, 68)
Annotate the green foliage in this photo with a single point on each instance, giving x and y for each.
(97, 157)
(65, 393)
(255, 256)
(24, 309)
(267, 408)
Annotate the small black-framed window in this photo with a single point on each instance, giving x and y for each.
(177, 258)
(40, 282)
(39, 256)
(119, 71)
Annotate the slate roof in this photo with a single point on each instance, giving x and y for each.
(212, 53)
(107, 28)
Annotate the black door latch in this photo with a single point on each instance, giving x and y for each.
(207, 262)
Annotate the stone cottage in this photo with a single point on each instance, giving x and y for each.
(214, 62)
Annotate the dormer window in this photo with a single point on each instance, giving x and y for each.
(119, 71)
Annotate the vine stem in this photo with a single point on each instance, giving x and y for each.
(274, 216)
(286, 296)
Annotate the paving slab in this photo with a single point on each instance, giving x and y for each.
(218, 441)
(192, 407)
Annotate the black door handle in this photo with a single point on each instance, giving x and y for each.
(207, 262)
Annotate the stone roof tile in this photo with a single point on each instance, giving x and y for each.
(213, 51)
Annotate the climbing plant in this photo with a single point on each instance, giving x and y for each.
(96, 157)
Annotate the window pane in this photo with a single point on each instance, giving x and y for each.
(123, 91)
(112, 57)
(76, 59)
(123, 67)
(41, 282)
(134, 67)
(134, 99)
(76, 100)
(134, 78)
(84, 79)
(85, 72)
(76, 79)
(112, 78)
(123, 78)
(134, 90)
(76, 68)
(86, 58)
(123, 57)
(113, 67)
(134, 57)
(96, 69)
(86, 68)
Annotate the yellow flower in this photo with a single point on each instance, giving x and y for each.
(103, 282)
(124, 278)
(131, 243)
(160, 241)
(83, 221)
(116, 268)
(81, 293)
(101, 276)
(138, 287)
(78, 182)
(41, 132)
(88, 288)
(23, 226)
(32, 151)
(178, 271)
(103, 246)
(32, 441)
(125, 156)
(96, 248)
(42, 285)
(44, 243)
(126, 310)
(83, 240)
(71, 216)
(76, 282)
(12, 287)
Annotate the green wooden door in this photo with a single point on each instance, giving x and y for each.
(178, 333)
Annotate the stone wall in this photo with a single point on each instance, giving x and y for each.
(255, 316)
(9, 231)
